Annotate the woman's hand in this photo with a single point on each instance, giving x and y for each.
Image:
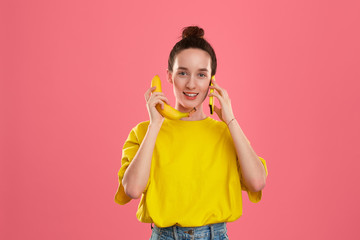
(152, 99)
(225, 113)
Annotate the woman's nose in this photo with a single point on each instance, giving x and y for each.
(191, 83)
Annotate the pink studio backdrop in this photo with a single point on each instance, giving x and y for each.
(73, 77)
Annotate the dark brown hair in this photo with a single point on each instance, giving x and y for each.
(193, 37)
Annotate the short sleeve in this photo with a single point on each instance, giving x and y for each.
(253, 196)
(129, 151)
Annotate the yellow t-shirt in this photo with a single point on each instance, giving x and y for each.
(194, 179)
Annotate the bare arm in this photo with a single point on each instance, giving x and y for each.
(137, 174)
(252, 170)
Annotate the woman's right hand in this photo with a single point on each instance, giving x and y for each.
(152, 99)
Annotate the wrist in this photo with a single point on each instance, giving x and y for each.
(155, 125)
(232, 120)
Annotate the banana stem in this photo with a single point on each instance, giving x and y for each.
(192, 111)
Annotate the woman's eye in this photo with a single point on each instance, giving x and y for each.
(202, 75)
(182, 73)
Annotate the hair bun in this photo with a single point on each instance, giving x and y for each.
(193, 31)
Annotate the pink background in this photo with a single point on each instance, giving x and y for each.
(73, 77)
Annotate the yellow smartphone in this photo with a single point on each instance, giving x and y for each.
(211, 99)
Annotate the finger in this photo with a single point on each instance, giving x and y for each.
(160, 95)
(163, 98)
(220, 98)
(220, 89)
(222, 92)
(154, 102)
(154, 95)
(148, 92)
(217, 110)
(215, 84)
(217, 88)
(217, 95)
(161, 104)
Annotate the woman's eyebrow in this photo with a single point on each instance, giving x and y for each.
(201, 69)
(183, 68)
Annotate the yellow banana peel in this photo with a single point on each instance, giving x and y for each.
(211, 99)
(168, 111)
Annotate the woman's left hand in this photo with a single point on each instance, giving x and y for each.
(225, 113)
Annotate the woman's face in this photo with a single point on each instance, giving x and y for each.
(190, 77)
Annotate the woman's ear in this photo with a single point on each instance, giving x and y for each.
(169, 76)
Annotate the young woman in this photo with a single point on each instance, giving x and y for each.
(190, 172)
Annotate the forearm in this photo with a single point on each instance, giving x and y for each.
(252, 169)
(137, 174)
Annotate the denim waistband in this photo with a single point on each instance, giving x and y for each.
(192, 232)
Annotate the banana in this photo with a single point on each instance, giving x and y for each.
(168, 111)
(211, 99)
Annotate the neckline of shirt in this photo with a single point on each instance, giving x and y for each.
(189, 122)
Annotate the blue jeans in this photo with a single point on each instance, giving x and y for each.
(217, 231)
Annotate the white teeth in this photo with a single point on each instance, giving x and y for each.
(191, 95)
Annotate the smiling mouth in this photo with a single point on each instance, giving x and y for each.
(191, 94)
